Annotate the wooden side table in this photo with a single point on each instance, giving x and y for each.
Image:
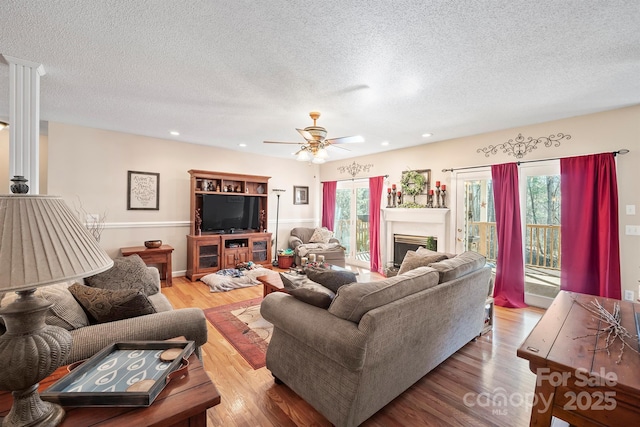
(575, 383)
(161, 256)
(183, 402)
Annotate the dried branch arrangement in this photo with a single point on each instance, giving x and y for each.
(614, 330)
(93, 222)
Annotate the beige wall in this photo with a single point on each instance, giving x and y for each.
(89, 166)
(594, 133)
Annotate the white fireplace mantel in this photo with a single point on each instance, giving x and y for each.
(415, 222)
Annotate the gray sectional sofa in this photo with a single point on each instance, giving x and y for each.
(376, 339)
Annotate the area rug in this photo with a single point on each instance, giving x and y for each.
(242, 325)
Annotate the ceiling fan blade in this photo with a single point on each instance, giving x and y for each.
(306, 134)
(281, 142)
(345, 140)
(339, 146)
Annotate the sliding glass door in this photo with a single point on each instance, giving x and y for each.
(540, 203)
(352, 220)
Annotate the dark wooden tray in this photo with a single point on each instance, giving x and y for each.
(103, 379)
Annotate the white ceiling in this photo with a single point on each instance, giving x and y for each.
(229, 72)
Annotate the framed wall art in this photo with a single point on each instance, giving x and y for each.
(143, 191)
(300, 195)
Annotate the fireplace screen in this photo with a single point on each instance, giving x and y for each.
(403, 243)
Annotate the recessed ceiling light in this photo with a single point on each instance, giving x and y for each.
(427, 135)
(174, 133)
(384, 143)
(242, 145)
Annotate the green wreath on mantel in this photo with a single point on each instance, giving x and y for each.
(413, 183)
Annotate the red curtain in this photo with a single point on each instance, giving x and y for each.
(509, 285)
(329, 204)
(375, 199)
(589, 225)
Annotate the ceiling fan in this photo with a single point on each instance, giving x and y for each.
(314, 149)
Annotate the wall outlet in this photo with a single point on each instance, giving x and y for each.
(631, 209)
(632, 230)
(628, 295)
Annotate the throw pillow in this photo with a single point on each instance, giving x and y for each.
(293, 281)
(329, 278)
(314, 294)
(127, 273)
(305, 290)
(355, 300)
(413, 260)
(65, 312)
(321, 235)
(105, 305)
(424, 251)
(460, 265)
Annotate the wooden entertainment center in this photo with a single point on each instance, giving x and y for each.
(210, 251)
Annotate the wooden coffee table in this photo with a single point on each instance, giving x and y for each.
(575, 383)
(271, 282)
(183, 402)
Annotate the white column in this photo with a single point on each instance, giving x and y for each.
(24, 118)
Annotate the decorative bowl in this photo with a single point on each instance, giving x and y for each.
(153, 244)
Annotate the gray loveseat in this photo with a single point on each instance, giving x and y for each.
(376, 339)
(88, 339)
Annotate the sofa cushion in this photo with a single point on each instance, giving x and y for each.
(354, 300)
(460, 265)
(105, 305)
(321, 235)
(413, 259)
(331, 279)
(127, 273)
(65, 312)
(306, 290)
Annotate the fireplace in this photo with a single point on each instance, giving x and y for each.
(430, 222)
(403, 243)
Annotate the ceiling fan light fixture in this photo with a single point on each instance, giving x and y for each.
(322, 153)
(318, 160)
(303, 156)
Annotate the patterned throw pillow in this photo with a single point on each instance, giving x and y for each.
(127, 273)
(413, 260)
(105, 305)
(321, 235)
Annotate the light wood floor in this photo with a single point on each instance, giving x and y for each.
(450, 395)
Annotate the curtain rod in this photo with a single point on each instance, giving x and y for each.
(353, 179)
(615, 153)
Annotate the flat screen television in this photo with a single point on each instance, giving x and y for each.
(222, 213)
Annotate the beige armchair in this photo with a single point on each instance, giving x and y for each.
(299, 241)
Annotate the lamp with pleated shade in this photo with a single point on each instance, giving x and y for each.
(41, 243)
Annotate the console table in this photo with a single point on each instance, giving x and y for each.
(575, 383)
(161, 256)
(183, 402)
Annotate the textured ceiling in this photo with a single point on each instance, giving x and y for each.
(229, 72)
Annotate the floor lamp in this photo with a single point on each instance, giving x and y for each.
(277, 192)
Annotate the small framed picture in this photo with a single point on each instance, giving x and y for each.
(143, 191)
(300, 195)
